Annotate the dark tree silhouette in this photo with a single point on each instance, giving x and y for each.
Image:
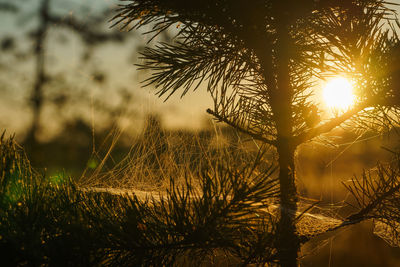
(260, 60)
(8, 7)
(89, 30)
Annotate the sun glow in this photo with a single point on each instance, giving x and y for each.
(338, 94)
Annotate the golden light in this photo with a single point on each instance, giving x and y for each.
(338, 94)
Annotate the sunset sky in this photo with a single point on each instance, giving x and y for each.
(63, 54)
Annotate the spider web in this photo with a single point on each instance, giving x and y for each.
(388, 232)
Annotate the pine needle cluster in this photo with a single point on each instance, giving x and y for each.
(51, 221)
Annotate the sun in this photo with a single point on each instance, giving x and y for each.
(338, 94)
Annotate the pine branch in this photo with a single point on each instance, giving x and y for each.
(230, 123)
(364, 213)
(379, 193)
(330, 125)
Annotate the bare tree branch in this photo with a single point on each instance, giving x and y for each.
(230, 123)
(88, 34)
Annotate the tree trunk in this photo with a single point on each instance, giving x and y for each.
(287, 244)
(40, 76)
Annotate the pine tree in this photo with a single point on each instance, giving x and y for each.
(260, 61)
